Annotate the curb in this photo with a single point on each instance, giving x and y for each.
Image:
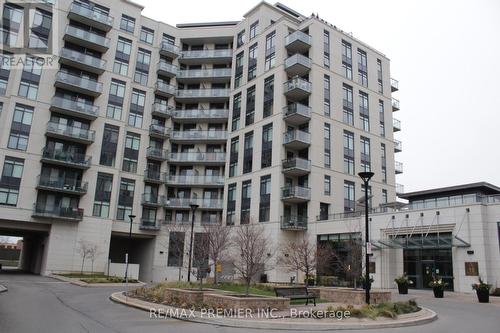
(79, 283)
(3, 289)
(425, 316)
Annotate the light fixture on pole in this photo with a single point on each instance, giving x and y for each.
(132, 217)
(193, 210)
(366, 176)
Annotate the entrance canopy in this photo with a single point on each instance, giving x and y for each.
(423, 241)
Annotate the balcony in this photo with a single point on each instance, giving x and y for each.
(220, 56)
(216, 75)
(164, 89)
(396, 125)
(294, 223)
(204, 158)
(210, 136)
(297, 114)
(71, 133)
(169, 50)
(394, 85)
(157, 154)
(295, 194)
(197, 181)
(82, 61)
(150, 199)
(150, 224)
(158, 131)
(400, 189)
(296, 139)
(201, 115)
(202, 95)
(297, 88)
(87, 39)
(395, 104)
(297, 64)
(184, 203)
(74, 108)
(296, 166)
(78, 84)
(65, 158)
(166, 69)
(69, 186)
(88, 16)
(162, 110)
(298, 41)
(398, 146)
(398, 167)
(154, 176)
(58, 213)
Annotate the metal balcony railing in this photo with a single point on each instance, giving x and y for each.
(395, 104)
(157, 153)
(162, 109)
(159, 130)
(65, 185)
(186, 202)
(150, 224)
(71, 213)
(396, 124)
(71, 131)
(398, 167)
(152, 199)
(398, 146)
(66, 157)
(293, 222)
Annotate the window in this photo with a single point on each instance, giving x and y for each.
(142, 67)
(250, 112)
(132, 145)
(326, 93)
(384, 196)
(124, 46)
(349, 203)
(381, 114)
(102, 196)
(137, 103)
(349, 153)
(348, 113)
(28, 90)
(125, 198)
(127, 23)
(233, 158)
(254, 30)
(267, 146)
(327, 140)
(109, 145)
(327, 185)
(252, 62)
(246, 195)
(365, 154)
(11, 180)
(120, 67)
(114, 112)
(362, 68)
(122, 56)
(364, 111)
(40, 29)
(147, 35)
(117, 88)
(270, 51)
(18, 141)
(268, 96)
(176, 249)
(379, 76)
(238, 78)
(324, 209)
(383, 155)
(248, 153)
(143, 57)
(235, 125)
(326, 48)
(265, 198)
(21, 127)
(231, 203)
(347, 59)
(240, 38)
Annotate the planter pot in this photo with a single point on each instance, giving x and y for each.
(438, 292)
(483, 296)
(309, 283)
(403, 288)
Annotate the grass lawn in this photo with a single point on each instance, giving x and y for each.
(96, 278)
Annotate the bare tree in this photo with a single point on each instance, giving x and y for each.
(218, 242)
(93, 253)
(84, 249)
(253, 251)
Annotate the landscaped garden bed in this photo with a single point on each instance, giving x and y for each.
(353, 296)
(96, 278)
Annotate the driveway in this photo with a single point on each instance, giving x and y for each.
(40, 304)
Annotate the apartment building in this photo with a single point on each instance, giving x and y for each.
(265, 120)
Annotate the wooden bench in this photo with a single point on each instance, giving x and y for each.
(295, 293)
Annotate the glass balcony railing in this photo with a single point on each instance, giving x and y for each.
(398, 146)
(298, 59)
(207, 54)
(82, 109)
(192, 180)
(200, 157)
(164, 66)
(298, 36)
(88, 13)
(170, 49)
(394, 85)
(162, 109)
(64, 185)
(83, 59)
(159, 130)
(157, 153)
(79, 82)
(201, 114)
(71, 131)
(152, 199)
(297, 83)
(70, 213)
(204, 73)
(295, 192)
(296, 163)
(398, 167)
(186, 202)
(88, 37)
(297, 109)
(296, 135)
(165, 88)
(154, 176)
(396, 124)
(395, 104)
(150, 224)
(203, 93)
(294, 222)
(199, 135)
(66, 157)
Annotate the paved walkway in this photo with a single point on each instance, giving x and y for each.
(40, 304)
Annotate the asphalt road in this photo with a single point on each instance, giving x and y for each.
(40, 304)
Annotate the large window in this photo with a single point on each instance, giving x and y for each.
(20, 128)
(252, 62)
(176, 249)
(238, 76)
(268, 96)
(11, 180)
(348, 113)
(132, 145)
(246, 196)
(102, 196)
(235, 122)
(109, 145)
(364, 114)
(270, 51)
(365, 154)
(328, 185)
(125, 199)
(265, 198)
(147, 35)
(233, 157)
(250, 112)
(349, 195)
(254, 30)
(248, 153)
(347, 59)
(326, 95)
(267, 146)
(127, 23)
(328, 145)
(362, 68)
(349, 152)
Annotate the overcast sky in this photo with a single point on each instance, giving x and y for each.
(446, 56)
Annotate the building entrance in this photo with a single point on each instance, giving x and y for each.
(421, 265)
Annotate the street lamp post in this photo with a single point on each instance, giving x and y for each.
(193, 210)
(366, 176)
(132, 217)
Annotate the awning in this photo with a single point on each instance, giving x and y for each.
(420, 242)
